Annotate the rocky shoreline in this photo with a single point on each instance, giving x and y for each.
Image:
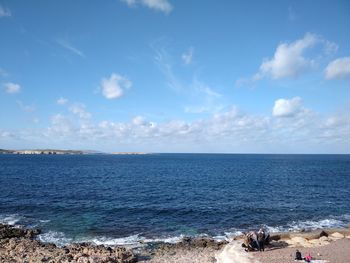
(18, 244)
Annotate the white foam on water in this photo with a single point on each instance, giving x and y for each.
(171, 240)
(220, 238)
(233, 234)
(233, 253)
(331, 222)
(123, 241)
(57, 238)
(132, 241)
(276, 229)
(312, 225)
(10, 219)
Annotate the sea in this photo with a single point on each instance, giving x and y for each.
(140, 199)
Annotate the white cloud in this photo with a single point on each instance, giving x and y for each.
(329, 47)
(79, 109)
(115, 86)
(158, 5)
(187, 57)
(230, 130)
(289, 59)
(287, 108)
(60, 126)
(4, 12)
(129, 2)
(65, 44)
(139, 120)
(201, 87)
(62, 101)
(12, 88)
(338, 69)
(161, 5)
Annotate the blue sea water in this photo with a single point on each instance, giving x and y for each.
(123, 199)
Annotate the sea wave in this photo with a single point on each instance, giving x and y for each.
(10, 219)
(58, 238)
(308, 225)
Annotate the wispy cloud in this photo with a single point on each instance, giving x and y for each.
(79, 109)
(187, 57)
(199, 96)
(4, 12)
(24, 107)
(162, 60)
(158, 5)
(67, 45)
(62, 101)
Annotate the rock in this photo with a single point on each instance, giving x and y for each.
(8, 231)
(299, 241)
(324, 238)
(31, 233)
(201, 242)
(323, 234)
(336, 235)
(275, 237)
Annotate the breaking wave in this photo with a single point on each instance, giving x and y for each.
(10, 219)
(295, 226)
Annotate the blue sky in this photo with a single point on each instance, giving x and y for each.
(176, 76)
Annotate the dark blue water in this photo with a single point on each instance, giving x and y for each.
(111, 198)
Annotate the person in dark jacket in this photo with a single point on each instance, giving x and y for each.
(261, 239)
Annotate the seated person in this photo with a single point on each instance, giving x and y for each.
(298, 255)
(308, 258)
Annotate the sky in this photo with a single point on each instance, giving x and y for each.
(175, 76)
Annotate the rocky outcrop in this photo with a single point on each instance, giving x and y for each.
(19, 245)
(7, 231)
(188, 243)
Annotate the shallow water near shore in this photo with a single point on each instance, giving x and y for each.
(117, 199)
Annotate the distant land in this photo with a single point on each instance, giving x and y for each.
(60, 151)
(41, 151)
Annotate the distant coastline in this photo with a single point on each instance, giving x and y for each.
(41, 151)
(60, 151)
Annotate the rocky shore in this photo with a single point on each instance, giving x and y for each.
(18, 244)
